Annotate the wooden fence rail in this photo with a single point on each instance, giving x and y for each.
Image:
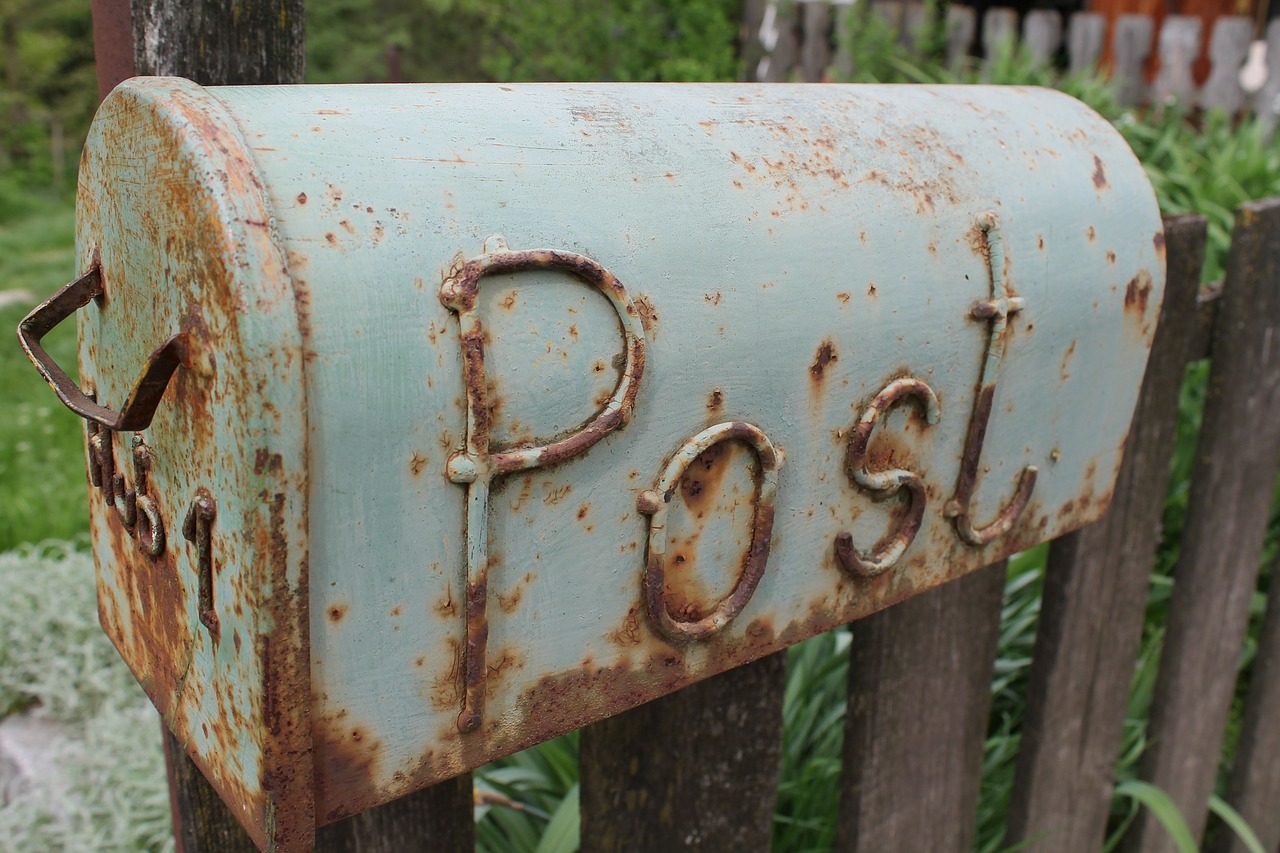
(813, 42)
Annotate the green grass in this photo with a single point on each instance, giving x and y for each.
(42, 474)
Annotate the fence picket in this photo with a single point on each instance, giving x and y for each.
(1086, 35)
(999, 28)
(1235, 467)
(915, 21)
(815, 52)
(919, 695)
(1131, 45)
(696, 769)
(1228, 48)
(1254, 787)
(1095, 596)
(1179, 49)
(1265, 103)
(1042, 36)
(962, 25)
(783, 45)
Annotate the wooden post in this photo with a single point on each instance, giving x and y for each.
(919, 698)
(1231, 484)
(1095, 598)
(216, 43)
(112, 43)
(1254, 789)
(694, 770)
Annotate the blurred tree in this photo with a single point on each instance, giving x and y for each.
(47, 88)
(515, 40)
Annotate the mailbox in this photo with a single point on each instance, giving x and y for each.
(426, 423)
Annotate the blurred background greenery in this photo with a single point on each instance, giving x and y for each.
(55, 663)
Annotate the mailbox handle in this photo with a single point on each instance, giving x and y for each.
(145, 396)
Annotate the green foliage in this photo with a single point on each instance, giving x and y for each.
(517, 41)
(813, 712)
(47, 87)
(42, 472)
(523, 799)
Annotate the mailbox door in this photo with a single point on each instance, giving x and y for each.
(198, 518)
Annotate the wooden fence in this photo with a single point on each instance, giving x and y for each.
(699, 769)
(1151, 61)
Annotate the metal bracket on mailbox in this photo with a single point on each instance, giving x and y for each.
(655, 503)
(476, 467)
(998, 309)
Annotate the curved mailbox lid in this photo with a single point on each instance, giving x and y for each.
(827, 279)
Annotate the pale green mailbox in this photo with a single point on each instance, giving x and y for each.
(430, 422)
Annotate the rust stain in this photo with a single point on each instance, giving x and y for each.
(346, 763)
(712, 298)
(1137, 293)
(844, 297)
(1091, 233)
(715, 400)
(1063, 373)
(417, 462)
(701, 480)
(584, 510)
(825, 355)
(337, 612)
(446, 607)
(302, 198)
(556, 495)
(629, 633)
(648, 316)
(1099, 174)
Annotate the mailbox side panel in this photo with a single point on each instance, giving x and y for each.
(211, 618)
(792, 253)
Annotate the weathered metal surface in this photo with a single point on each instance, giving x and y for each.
(750, 362)
(171, 212)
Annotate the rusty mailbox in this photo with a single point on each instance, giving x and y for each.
(426, 423)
